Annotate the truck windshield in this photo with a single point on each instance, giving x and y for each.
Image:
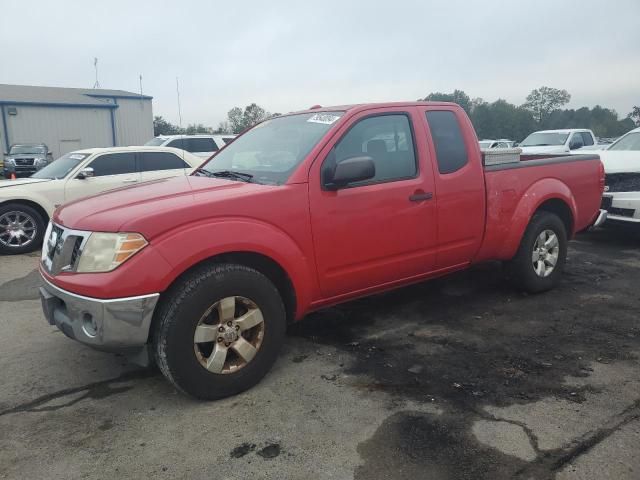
(270, 151)
(27, 150)
(155, 142)
(544, 139)
(61, 167)
(628, 142)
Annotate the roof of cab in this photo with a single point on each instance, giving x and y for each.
(370, 106)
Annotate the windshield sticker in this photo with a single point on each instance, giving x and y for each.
(325, 118)
(77, 156)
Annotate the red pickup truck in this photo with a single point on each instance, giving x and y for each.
(202, 273)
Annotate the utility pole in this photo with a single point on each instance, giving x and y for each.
(95, 65)
(179, 109)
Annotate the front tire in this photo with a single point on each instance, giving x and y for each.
(539, 261)
(219, 331)
(21, 229)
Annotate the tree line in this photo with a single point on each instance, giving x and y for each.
(542, 110)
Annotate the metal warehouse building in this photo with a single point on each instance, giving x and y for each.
(68, 119)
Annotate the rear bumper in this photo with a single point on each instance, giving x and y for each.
(120, 324)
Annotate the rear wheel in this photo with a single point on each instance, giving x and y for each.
(21, 229)
(539, 261)
(219, 331)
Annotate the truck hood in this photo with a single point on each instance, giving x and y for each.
(22, 182)
(620, 161)
(549, 149)
(153, 208)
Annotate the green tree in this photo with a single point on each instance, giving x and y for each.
(502, 119)
(239, 120)
(544, 100)
(193, 129)
(635, 116)
(163, 127)
(458, 96)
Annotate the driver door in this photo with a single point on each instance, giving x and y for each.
(110, 170)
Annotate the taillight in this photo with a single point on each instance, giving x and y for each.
(602, 177)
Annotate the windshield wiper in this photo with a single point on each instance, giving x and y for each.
(245, 177)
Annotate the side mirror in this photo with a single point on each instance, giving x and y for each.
(575, 145)
(85, 173)
(354, 169)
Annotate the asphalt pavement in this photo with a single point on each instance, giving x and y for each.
(458, 378)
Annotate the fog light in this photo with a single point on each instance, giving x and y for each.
(89, 325)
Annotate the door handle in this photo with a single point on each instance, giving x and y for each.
(133, 180)
(420, 196)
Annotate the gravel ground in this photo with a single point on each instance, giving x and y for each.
(458, 378)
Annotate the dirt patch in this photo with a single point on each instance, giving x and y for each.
(408, 445)
(493, 345)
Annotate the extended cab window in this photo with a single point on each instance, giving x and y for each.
(451, 151)
(150, 161)
(388, 140)
(114, 164)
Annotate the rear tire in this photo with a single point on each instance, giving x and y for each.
(539, 261)
(200, 342)
(15, 240)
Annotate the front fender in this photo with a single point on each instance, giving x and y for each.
(537, 193)
(191, 244)
(19, 195)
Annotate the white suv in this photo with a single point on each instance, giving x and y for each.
(200, 145)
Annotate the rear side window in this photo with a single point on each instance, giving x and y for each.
(587, 139)
(194, 144)
(114, 164)
(201, 145)
(451, 151)
(151, 161)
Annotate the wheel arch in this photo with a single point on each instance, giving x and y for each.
(550, 195)
(30, 203)
(264, 264)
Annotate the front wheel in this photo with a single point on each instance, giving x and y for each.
(219, 331)
(21, 229)
(539, 261)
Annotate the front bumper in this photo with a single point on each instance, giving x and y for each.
(622, 206)
(118, 324)
(19, 172)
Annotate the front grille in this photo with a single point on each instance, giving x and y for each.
(606, 203)
(622, 212)
(62, 249)
(24, 161)
(622, 182)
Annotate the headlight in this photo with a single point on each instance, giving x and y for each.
(40, 162)
(10, 161)
(105, 251)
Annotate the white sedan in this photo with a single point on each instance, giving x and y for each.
(26, 205)
(621, 162)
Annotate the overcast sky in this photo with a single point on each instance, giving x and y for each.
(289, 55)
